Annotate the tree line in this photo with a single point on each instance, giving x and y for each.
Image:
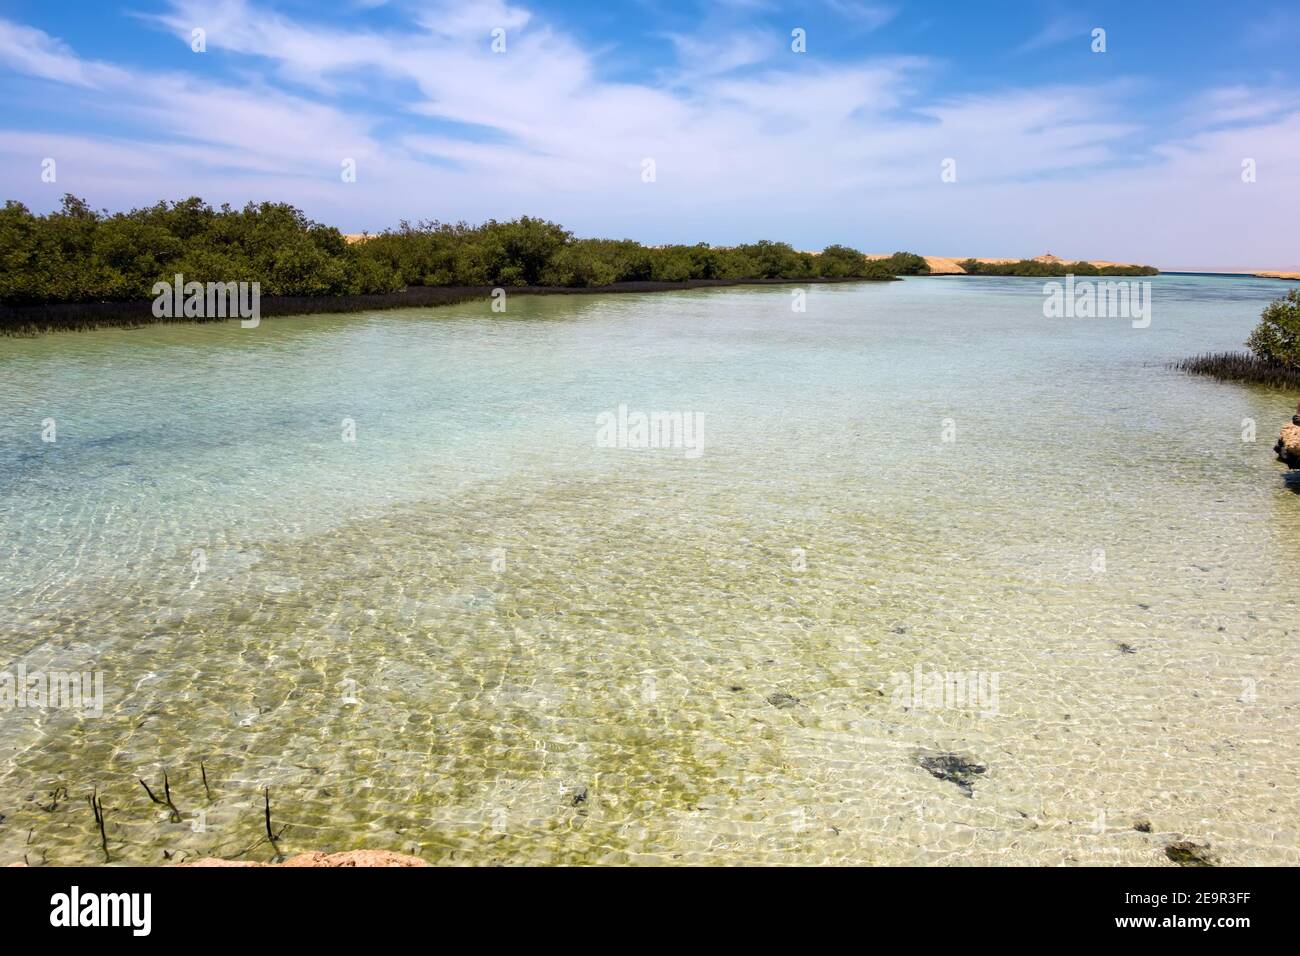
(76, 255)
(1034, 268)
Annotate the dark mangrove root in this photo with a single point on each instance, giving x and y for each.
(54, 798)
(1240, 367)
(271, 835)
(167, 793)
(266, 795)
(175, 815)
(97, 805)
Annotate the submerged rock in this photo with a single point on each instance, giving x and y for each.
(1187, 853)
(955, 768)
(1142, 826)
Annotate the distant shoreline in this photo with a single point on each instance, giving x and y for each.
(1036, 267)
(1282, 276)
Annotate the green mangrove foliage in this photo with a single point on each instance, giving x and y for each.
(1034, 268)
(1274, 356)
(1277, 337)
(79, 255)
(534, 252)
(906, 264)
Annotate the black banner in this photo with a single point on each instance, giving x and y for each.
(256, 907)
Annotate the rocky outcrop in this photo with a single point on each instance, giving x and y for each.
(1288, 445)
(350, 858)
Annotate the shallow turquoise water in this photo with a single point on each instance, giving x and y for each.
(474, 634)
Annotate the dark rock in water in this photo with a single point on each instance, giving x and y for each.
(1286, 456)
(782, 700)
(952, 767)
(1127, 649)
(1142, 826)
(1187, 853)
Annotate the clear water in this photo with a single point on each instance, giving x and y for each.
(474, 635)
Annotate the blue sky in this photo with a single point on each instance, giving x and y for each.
(1134, 153)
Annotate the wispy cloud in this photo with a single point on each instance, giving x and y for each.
(862, 15)
(35, 53)
(811, 149)
(1242, 104)
(1055, 32)
(707, 54)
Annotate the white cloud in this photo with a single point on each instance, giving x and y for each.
(807, 150)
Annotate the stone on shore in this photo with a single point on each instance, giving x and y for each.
(1288, 446)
